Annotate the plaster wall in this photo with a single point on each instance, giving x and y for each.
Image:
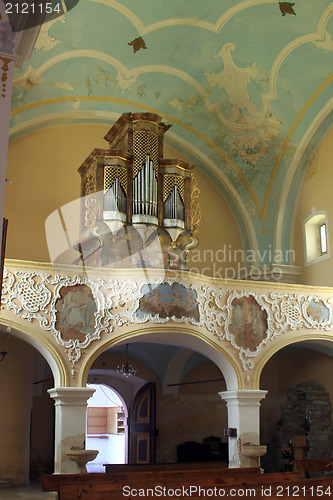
(43, 167)
(316, 191)
(42, 421)
(16, 406)
(198, 412)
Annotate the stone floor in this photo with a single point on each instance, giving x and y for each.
(32, 492)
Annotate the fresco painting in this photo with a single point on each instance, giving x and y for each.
(248, 323)
(318, 311)
(76, 310)
(169, 300)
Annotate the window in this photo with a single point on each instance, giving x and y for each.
(316, 237)
(323, 238)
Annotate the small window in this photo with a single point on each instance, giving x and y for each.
(316, 238)
(323, 238)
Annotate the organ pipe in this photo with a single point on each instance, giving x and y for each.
(145, 190)
(115, 198)
(173, 206)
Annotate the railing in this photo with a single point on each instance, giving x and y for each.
(77, 305)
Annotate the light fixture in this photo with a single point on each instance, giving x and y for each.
(126, 369)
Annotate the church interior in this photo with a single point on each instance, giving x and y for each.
(170, 219)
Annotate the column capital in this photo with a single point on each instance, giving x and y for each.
(243, 397)
(73, 396)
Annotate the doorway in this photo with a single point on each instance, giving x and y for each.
(107, 429)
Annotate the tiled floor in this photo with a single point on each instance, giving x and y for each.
(32, 492)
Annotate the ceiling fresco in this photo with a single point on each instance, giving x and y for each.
(247, 86)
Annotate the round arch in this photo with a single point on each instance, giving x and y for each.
(49, 353)
(320, 338)
(182, 337)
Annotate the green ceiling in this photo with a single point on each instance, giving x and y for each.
(241, 83)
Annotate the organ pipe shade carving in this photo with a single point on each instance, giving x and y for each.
(113, 172)
(144, 143)
(170, 181)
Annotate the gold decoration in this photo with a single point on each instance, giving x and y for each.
(195, 207)
(112, 173)
(144, 143)
(4, 75)
(90, 185)
(170, 181)
(90, 201)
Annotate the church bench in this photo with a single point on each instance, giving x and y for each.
(313, 465)
(167, 466)
(104, 487)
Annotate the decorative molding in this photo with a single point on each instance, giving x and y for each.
(271, 273)
(245, 319)
(4, 69)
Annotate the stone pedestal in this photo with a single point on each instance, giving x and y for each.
(70, 425)
(243, 414)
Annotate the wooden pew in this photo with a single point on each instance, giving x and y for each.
(304, 467)
(121, 483)
(72, 486)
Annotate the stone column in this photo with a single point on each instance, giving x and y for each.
(243, 415)
(70, 425)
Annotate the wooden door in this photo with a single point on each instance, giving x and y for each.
(142, 426)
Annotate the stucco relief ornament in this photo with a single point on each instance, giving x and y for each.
(27, 295)
(295, 311)
(234, 80)
(78, 315)
(75, 321)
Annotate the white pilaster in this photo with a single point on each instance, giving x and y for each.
(70, 425)
(243, 415)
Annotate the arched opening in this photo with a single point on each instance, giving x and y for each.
(27, 419)
(107, 429)
(298, 402)
(188, 406)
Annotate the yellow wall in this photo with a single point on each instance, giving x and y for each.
(316, 191)
(16, 405)
(43, 167)
(197, 413)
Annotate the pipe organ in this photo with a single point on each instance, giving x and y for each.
(138, 209)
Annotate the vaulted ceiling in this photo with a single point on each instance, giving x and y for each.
(247, 86)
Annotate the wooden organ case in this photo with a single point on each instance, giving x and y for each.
(138, 209)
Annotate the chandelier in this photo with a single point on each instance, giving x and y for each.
(126, 369)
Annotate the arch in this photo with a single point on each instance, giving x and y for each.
(297, 162)
(278, 346)
(180, 336)
(34, 338)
